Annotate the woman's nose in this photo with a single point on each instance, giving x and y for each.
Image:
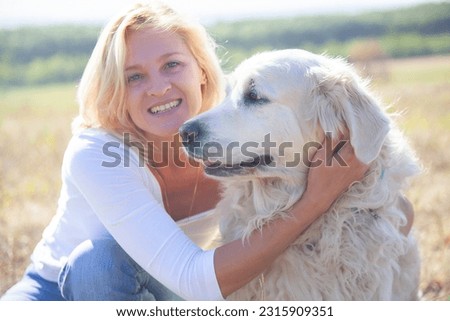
(158, 87)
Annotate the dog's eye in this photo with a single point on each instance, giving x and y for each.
(252, 97)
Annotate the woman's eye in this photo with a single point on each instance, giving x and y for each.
(134, 77)
(172, 64)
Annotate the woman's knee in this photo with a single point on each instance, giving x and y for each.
(98, 270)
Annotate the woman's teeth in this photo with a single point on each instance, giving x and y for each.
(165, 107)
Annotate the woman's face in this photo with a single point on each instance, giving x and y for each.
(163, 82)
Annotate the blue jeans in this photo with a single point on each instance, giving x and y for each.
(97, 270)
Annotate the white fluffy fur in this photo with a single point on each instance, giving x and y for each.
(353, 252)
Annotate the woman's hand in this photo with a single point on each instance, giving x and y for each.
(333, 169)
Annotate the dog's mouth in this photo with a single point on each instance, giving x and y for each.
(218, 168)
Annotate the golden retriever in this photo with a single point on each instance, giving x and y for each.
(280, 104)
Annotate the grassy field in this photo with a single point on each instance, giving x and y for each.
(35, 128)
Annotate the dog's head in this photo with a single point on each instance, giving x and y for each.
(279, 107)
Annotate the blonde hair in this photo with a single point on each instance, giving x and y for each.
(102, 89)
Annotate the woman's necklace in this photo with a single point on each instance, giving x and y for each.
(194, 194)
(164, 189)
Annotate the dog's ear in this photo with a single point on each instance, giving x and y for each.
(342, 100)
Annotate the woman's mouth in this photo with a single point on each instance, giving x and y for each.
(164, 108)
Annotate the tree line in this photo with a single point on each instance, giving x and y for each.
(39, 55)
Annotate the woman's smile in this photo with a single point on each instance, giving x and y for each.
(163, 108)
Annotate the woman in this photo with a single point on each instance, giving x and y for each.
(116, 234)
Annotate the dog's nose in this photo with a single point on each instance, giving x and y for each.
(190, 133)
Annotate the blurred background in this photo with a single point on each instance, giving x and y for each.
(403, 46)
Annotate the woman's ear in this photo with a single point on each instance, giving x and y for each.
(204, 78)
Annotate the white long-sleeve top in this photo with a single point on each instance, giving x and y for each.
(106, 191)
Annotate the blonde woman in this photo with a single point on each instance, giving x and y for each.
(136, 223)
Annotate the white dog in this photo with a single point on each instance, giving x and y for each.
(256, 141)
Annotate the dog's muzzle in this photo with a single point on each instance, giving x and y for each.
(193, 136)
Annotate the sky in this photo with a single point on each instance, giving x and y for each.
(15, 13)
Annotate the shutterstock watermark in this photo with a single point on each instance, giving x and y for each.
(216, 154)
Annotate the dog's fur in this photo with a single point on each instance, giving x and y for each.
(353, 252)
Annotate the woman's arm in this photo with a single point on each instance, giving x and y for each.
(237, 263)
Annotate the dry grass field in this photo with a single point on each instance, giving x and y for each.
(35, 128)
